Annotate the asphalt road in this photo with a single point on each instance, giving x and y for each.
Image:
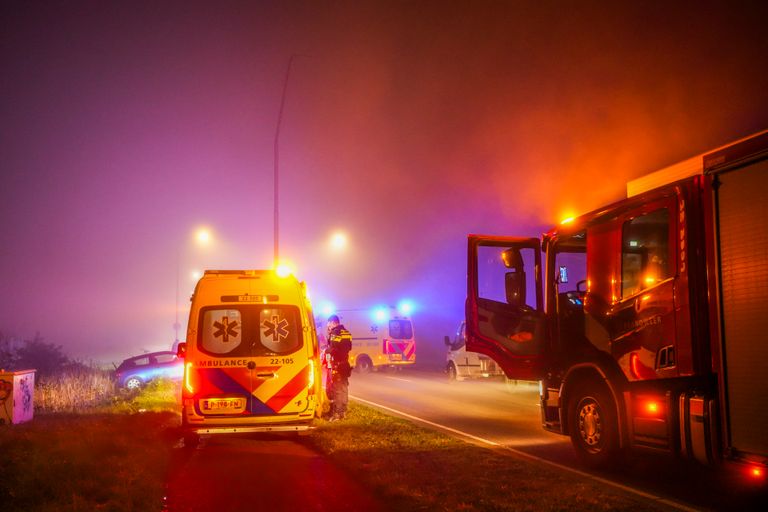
(260, 472)
(510, 416)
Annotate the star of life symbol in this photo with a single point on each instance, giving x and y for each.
(277, 328)
(374, 328)
(225, 329)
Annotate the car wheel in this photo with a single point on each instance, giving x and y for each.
(452, 373)
(363, 365)
(593, 425)
(133, 383)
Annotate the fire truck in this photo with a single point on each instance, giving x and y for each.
(645, 321)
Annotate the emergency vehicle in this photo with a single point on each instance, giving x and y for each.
(381, 337)
(251, 355)
(645, 321)
(463, 364)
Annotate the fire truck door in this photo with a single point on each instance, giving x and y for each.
(504, 311)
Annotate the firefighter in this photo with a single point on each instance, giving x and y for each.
(339, 345)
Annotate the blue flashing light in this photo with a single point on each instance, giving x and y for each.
(381, 314)
(327, 309)
(405, 307)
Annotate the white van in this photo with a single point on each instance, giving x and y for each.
(381, 337)
(462, 364)
(251, 355)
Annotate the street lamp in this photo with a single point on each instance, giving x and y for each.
(338, 241)
(203, 238)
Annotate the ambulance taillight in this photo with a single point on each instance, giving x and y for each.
(188, 378)
(311, 379)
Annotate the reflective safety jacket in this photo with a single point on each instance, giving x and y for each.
(339, 345)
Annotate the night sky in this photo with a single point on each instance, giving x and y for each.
(124, 126)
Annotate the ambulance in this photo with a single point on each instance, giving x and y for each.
(251, 359)
(381, 337)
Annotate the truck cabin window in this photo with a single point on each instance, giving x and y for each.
(571, 276)
(645, 252)
(496, 281)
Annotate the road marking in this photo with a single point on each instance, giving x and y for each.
(563, 467)
(398, 378)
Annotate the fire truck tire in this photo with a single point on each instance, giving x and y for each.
(363, 365)
(593, 426)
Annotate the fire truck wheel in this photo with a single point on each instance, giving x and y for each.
(363, 365)
(593, 426)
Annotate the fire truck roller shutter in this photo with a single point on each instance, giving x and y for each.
(743, 232)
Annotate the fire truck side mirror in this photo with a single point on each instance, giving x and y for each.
(181, 350)
(514, 285)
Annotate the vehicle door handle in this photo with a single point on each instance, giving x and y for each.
(269, 375)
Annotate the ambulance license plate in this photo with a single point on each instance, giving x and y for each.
(223, 405)
(395, 357)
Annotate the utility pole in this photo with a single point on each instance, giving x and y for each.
(277, 164)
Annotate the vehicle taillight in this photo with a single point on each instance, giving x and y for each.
(188, 378)
(311, 385)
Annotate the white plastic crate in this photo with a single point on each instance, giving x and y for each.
(17, 392)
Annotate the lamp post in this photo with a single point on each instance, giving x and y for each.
(203, 238)
(277, 160)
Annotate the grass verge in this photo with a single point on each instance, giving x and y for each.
(112, 453)
(413, 468)
(85, 462)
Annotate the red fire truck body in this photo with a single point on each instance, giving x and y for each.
(645, 321)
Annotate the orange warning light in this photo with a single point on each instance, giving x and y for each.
(756, 472)
(652, 407)
(567, 220)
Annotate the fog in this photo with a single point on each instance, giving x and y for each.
(126, 126)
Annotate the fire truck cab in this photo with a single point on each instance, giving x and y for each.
(645, 320)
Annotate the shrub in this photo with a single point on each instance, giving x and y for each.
(75, 388)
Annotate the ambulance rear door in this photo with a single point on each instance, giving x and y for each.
(260, 354)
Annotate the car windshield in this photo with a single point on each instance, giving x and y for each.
(249, 330)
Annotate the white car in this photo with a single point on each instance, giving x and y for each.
(461, 364)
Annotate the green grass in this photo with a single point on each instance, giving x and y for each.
(75, 462)
(109, 451)
(413, 468)
(115, 455)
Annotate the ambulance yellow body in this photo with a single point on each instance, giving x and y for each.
(251, 355)
(382, 337)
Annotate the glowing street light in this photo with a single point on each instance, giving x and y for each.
(339, 241)
(203, 236)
